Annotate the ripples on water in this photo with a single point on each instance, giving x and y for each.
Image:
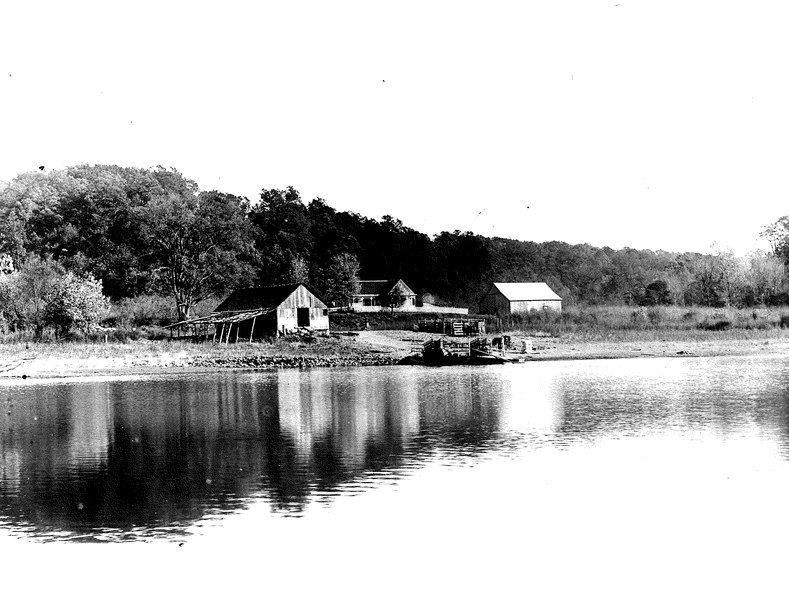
(142, 458)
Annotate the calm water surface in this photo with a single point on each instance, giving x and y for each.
(583, 462)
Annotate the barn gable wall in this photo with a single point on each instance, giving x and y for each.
(287, 311)
(494, 303)
(525, 306)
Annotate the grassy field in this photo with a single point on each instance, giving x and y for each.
(609, 323)
(658, 322)
(327, 346)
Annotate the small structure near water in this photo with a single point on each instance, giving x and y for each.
(261, 312)
(452, 352)
(453, 327)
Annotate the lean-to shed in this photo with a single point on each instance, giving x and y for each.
(257, 312)
(280, 309)
(513, 298)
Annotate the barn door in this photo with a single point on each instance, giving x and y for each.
(303, 317)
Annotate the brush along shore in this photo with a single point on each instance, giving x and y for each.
(365, 348)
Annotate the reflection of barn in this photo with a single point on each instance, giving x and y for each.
(513, 298)
(258, 312)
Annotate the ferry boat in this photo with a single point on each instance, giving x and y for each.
(450, 352)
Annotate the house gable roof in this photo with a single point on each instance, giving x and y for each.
(519, 292)
(257, 298)
(382, 286)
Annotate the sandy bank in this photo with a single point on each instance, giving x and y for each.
(367, 348)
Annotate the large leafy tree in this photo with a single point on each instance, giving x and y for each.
(84, 218)
(199, 242)
(342, 279)
(281, 229)
(27, 293)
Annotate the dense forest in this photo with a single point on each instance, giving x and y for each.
(84, 233)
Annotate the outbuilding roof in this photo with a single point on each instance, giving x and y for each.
(519, 292)
(256, 298)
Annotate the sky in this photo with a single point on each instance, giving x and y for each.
(646, 124)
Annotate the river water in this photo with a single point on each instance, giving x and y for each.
(659, 475)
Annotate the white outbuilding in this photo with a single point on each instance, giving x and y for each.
(514, 298)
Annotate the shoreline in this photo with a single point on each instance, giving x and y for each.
(367, 348)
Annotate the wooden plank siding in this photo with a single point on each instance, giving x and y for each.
(494, 303)
(526, 305)
(287, 311)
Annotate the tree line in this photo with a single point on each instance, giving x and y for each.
(127, 232)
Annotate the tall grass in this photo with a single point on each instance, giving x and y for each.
(628, 322)
(322, 346)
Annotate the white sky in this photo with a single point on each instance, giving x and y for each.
(651, 124)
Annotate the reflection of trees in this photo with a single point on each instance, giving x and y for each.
(159, 453)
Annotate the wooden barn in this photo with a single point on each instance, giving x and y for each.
(258, 312)
(373, 291)
(504, 299)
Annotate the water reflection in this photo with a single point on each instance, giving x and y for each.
(725, 398)
(135, 458)
(157, 454)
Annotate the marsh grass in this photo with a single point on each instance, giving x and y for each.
(619, 322)
(82, 349)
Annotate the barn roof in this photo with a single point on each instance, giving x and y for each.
(256, 298)
(518, 292)
(381, 286)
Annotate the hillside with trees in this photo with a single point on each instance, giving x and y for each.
(151, 237)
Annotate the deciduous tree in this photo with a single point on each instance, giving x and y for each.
(199, 243)
(342, 281)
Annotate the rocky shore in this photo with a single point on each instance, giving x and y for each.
(367, 348)
(262, 362)
(74, 360)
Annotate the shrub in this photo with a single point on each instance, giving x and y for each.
(655, 315)
(143, 310)
(656, 293)
(639, 317)
(715, 325)
(78, 303)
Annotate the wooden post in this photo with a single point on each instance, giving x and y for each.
(252, 330)
(215, 328)
(227, 337)
(238, 326)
